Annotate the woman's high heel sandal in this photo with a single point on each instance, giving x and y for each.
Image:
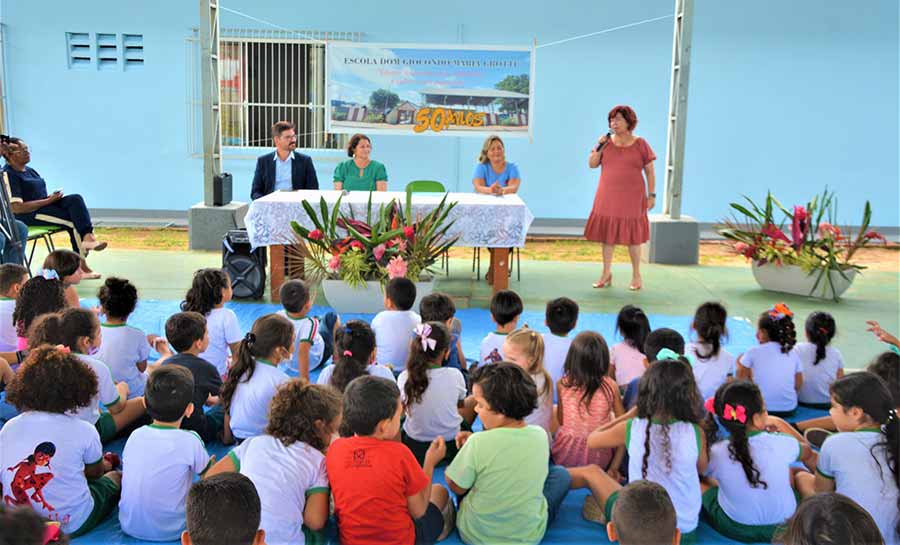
(603, 283)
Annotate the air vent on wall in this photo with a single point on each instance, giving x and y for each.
(134, 51)
(107, 52)
(79, 50)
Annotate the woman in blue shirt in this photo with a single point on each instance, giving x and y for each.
(494, 176)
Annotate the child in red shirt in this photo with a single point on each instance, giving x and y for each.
(381, 495)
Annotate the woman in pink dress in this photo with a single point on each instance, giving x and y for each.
(620, 208)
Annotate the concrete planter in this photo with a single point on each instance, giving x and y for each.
(793, 279)
(366, 299)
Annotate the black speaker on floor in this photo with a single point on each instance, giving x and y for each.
(221, 189)
(246, 267)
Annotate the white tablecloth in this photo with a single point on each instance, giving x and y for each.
(481, 220)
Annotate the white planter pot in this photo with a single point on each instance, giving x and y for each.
(365, 299)
(793, 279)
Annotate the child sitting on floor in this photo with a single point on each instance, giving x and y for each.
(55, 459)
(160, 460)
(38, 296)
(224, 508)
(560, 317)
(712, 364)
(431, 393)
(506, 307)
(510, 493)
(312, 336)
(863, 462)
(209, 292)
(394, 325)
(588, 399)
(124, 349)
(255, 376)
(354, 356)
(66, 264)
(829, 518)
(643, 515)
(381, 495)
(772, 365)
(525, 348)
(749, 486)
(12, 278)
(822, 364)
(627, 357)
(186, 332)
(664, 444)
(657, 341)
(439, 307)
(287, 462)
(24, 526)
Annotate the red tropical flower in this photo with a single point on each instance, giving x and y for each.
(315, 235)
(799, 226)
(874, 235)
(775, 233)
(408, 232)
(358, 245)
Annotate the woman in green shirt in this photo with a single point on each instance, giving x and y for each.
(360, 173)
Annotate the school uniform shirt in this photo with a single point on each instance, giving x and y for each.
(393, 332)
(682, 482)
(306, 330)
(106, 391)
(59, 478)
(492, 348)
(556, 348)
(207, 382)
(9, 340)
(712, 372)
(817, 378)
(629, 362)
(375, 370)
(772, 455)
(284, 477)
(224, 329)
(847, 459)
(543, 414)
(774, 372)
(370, 480)
(504, 470)
(249, 408)
(158, 466)
(435, 414)
(122, 347)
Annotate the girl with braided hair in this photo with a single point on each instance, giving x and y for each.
(354, 356)
(747, 491)
(822, 363)
(773, 365)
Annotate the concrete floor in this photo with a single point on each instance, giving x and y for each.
(670, 290)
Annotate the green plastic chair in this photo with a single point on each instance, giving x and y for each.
(430, 186)
(40, 232)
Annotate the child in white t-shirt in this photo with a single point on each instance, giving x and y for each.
(312, 336)
(12, 277)
(627, 358)
(748, 489)
(124, 349)
(431, 393)
(772, 365)
(525, 348)
(822, 364)
(354, 356)
(863, 461)
(560, 317)
(506, 307)
(53, 461)
(394, 326)
(160, 460)
(255, 376)
(287, 462)
(209, 292)
(711, 363)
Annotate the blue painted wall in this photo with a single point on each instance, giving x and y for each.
(788, 96)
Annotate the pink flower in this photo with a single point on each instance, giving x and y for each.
(378, 251)
(358, 245)
(396, 268)
(334, 263)
(826, 230)
(315, 235)
(775, 233)
(800, 213)
(744, 249)
(799, 226)
(408, 232)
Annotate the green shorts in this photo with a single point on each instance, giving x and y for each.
(686, 539)
(724, 524)
(106, 427)
(105, 494)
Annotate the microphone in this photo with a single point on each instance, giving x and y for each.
(599, 147)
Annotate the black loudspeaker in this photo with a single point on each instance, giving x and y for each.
(245, 267)
(221, 189)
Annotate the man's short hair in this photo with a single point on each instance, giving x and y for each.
(402, 292)
(224, 508)
(294, 295)
(11, 273)
(506, 306)
(644, 514)
(436, 307)
(170, 389)
(280, 126)
(367, 401)
(184, 329)
(507, 388)
(561, 315)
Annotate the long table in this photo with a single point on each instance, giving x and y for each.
(480, 221)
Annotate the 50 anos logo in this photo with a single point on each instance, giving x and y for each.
(438, 119)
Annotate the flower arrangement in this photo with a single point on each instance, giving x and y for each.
(388, 244)
(815, 243)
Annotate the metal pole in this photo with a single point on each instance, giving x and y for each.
(678, 103)
(210, 96)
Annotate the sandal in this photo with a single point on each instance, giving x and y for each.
(601, 284)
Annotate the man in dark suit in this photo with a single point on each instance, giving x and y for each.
(284, 168)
